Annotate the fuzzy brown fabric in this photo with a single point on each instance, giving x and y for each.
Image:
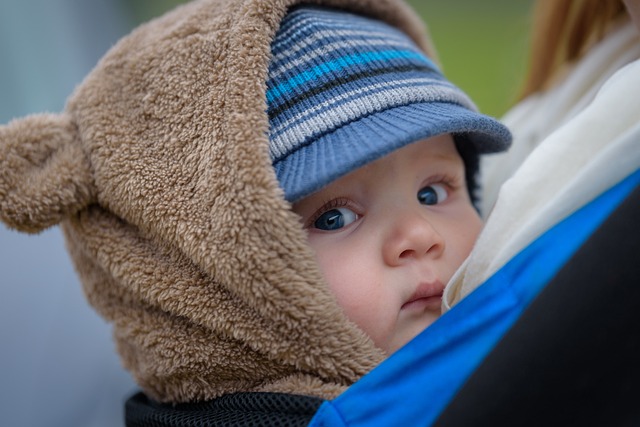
(159, 173)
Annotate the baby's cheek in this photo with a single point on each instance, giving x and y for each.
(475, 227)
(357, 284)
(465, 237)
(360, 297)
(349, 288)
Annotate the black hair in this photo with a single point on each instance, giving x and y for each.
(471, 159)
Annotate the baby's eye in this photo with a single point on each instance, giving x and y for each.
(335, 219)
(432, 194)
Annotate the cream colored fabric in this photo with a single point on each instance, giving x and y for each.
(536, 117)
(585, 156)
(158, 171)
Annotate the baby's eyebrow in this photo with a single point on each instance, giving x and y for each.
(452, 158)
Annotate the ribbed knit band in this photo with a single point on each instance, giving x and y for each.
(331, 69)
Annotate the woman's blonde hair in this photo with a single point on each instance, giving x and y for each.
(562, 31)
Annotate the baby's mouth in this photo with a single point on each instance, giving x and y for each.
(427, 296)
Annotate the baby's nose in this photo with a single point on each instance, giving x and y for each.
(412, 236)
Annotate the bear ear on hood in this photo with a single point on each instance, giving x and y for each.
(44, 174)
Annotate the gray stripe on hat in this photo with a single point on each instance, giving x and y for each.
(311, 56)
(300, 20)
(314, 121)
(330, 36)
(358, 91)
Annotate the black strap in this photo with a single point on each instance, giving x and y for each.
(573, 358)
(239, 409)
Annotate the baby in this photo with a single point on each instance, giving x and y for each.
(377, 152)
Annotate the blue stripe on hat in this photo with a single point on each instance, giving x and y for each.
(374, 76)
(333, 49)
(334, 66)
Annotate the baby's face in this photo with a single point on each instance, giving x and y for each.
(390, 235)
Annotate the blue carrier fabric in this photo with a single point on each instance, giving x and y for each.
(456, 369)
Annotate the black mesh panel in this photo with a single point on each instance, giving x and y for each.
(240, 409)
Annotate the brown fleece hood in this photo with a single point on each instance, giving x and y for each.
(159, 173)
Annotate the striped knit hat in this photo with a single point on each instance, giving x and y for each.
(344, 90)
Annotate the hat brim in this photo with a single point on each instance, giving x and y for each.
(360, 142)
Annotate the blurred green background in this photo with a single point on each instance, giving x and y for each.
(482, 45)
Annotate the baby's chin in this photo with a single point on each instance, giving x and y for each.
(409, 332)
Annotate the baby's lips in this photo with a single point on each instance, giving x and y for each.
(426, 295)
